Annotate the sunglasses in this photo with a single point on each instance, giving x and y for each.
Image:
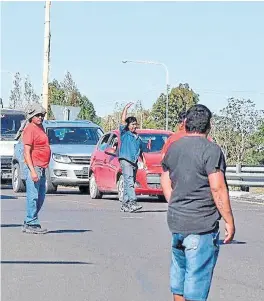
(40, 115)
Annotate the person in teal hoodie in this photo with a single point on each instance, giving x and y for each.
(129, 152)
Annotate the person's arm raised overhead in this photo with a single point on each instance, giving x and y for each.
(124, 113)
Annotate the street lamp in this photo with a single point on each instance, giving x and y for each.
(167, 83)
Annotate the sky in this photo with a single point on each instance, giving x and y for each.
(215, 47)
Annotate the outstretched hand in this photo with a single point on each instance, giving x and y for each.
(129, 105)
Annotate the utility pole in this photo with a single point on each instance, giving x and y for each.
(45, 92)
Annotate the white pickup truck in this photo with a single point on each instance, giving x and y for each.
(11, 121)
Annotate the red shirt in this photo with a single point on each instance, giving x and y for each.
(36, 137)
(175, 137)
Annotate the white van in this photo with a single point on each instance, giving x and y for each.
(11, 121)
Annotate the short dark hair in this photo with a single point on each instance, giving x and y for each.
(198, 119)
(129, 120)
(182, 116)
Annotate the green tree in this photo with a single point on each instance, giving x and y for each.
(16, 99)
(180, 98)
(66, 93)
(87, 109)
(30, 95)
(71, 92)
(234, 128)
(256, 154)
(56, 96)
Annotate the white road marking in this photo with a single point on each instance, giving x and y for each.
(250, 202)
(132, 217)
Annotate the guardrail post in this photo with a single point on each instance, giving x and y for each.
(238, 168)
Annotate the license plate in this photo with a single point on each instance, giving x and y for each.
(85, 170)
(6, 175)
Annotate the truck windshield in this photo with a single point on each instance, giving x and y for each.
(74, 135)
(10, 124)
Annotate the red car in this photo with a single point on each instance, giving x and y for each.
(105, 172)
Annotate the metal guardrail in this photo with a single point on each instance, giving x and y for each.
(245, 175)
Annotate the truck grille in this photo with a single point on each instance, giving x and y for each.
(85, 160)
(153, 180)
(6, 163)
(80, 175)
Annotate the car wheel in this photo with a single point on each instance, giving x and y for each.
(120, 188)
(95, 193)
(84, 189)
(17, 183)
(162, 198)
(50, 187)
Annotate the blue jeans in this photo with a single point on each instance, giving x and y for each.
(193, 260)
(36, 192)
(129, 172)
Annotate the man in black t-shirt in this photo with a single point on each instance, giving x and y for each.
(194, 185)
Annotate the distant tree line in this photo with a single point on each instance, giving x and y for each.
(238, 128)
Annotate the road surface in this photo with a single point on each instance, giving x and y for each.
(96, 253)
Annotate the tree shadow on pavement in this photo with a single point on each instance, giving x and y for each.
(68, 231)
(42, 262)
(234, 242)
(10, 225)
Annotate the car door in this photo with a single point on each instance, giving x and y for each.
(99, 162)
(111, 164)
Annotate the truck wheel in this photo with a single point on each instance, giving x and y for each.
(95, 193)
(50, 187)
(17, 183)
(84, 189)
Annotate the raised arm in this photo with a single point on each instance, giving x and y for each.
(124, 113)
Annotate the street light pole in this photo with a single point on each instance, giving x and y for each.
(45, 92)
(167, 83)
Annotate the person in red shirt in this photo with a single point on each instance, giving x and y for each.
(37, 156)
(181, 132)
(178, 135)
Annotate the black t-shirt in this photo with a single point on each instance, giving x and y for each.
(189, 161)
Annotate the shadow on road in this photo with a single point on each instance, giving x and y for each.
(42, 262)
(7, 197)
(234, 242)
(10, 225)
(68, 231)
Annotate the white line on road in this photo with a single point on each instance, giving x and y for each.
(250, 202)
(132, 217)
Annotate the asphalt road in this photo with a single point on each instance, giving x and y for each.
(96, 253)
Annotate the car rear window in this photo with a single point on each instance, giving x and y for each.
(153, 142)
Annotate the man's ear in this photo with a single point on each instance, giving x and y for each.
(181, 126)
(184, 123)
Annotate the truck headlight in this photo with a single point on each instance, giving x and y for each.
(61, 158)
